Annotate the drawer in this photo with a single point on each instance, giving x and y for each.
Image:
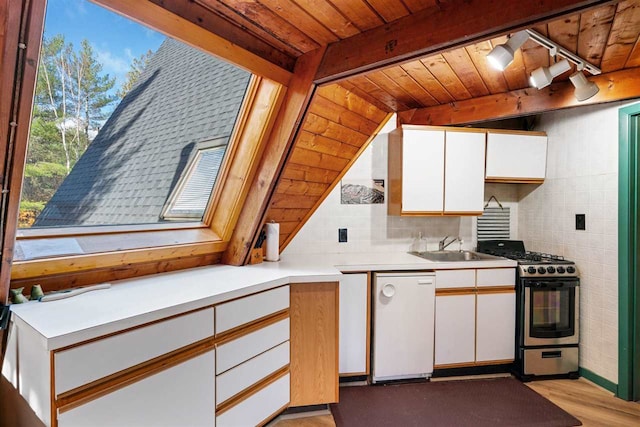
(496, 277)
(89, 362)
(232, 314)
(251, 372)
(258, 407)
(243, 348)
(455, 279)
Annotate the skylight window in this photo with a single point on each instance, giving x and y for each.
(113, 147)
(190, 197)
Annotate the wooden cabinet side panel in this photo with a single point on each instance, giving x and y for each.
(394, 173)
(314, 343)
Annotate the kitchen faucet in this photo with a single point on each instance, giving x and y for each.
(442, 244)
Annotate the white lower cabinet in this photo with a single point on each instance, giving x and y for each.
(258, 407)
(496, 326)
(183, 395)
(455, 329)
(354, 303)
(475, 317)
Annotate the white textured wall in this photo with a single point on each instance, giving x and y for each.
(369, 227)
(582, 178)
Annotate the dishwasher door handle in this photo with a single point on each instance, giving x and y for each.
(388, 290)
(425, 282)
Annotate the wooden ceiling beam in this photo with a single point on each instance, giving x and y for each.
(278, 146)
(445, 26)
(203, 17)
(615, 86)
(148, 13)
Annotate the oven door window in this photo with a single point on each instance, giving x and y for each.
(552, 312)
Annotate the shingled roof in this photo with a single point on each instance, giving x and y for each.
(183, 97)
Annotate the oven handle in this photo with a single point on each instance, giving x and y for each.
(543, 284)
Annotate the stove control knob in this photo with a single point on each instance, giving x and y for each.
(571, 270)
(541, 270)
(551, 270)
(531, 270)
(560, 270)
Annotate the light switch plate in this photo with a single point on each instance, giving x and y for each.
(581, 222)
(342, 235)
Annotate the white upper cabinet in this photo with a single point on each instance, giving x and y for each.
(516, 157)
(422, 170)
(464, 173)
(436, 171)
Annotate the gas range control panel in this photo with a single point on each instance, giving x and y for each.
(548, 270)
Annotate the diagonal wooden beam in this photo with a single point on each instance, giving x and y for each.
(615, 86)
(165, 21)
(445, 26)
(203, 17)
(279, 144)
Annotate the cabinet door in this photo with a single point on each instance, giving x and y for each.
(455, 329)
(464, 172)
(354, 309)
(514, 157)
(183, 395)
(496, 326)
(422, 171)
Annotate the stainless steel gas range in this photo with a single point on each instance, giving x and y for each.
(547, 309)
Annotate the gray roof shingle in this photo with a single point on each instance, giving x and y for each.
(184, 96)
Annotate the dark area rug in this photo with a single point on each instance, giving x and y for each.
(478, 403)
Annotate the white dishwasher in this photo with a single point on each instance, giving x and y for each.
(403, 328)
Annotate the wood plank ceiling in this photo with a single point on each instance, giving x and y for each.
(608, 37)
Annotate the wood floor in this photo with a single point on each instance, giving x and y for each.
(592, 405)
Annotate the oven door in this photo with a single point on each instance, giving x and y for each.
(551, 311)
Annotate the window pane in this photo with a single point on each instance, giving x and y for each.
(119, 115)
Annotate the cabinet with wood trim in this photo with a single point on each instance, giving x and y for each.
(475, 317)
(516, 157)
(226, 364)
(180, 395)
(314, 343)
(436, 171)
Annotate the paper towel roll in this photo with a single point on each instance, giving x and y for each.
(273, 241)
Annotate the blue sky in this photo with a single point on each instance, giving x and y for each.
(116, 40)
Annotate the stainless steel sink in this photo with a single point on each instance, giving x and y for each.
(454, 256)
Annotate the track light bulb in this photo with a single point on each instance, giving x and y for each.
(584, 88)
(502, 55)
(542, 77)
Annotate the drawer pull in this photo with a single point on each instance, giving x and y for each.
(551, 354)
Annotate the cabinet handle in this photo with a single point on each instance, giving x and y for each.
(388, 290)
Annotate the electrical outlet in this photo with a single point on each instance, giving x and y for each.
(342, 235)
(581, 223)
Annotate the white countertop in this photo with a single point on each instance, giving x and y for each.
(137, 301)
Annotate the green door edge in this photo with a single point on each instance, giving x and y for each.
(628, 187)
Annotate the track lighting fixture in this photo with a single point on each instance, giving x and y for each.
(584, 89)
(542, 77)
(502, 55)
